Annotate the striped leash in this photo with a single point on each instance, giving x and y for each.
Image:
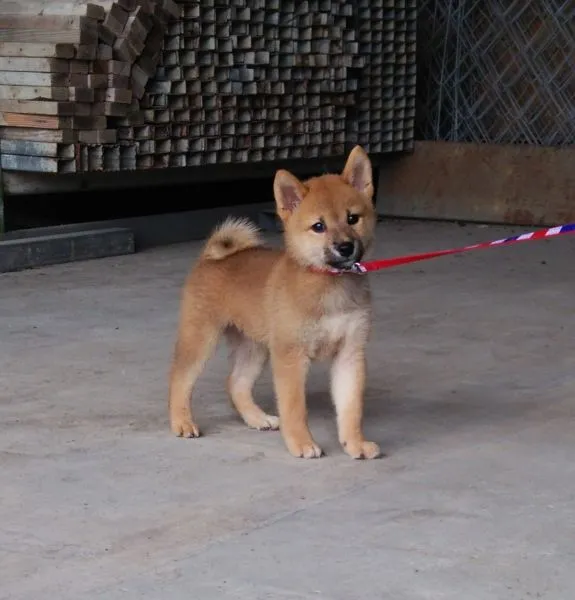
(361, 268)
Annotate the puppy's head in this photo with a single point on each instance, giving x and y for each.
(329, 220)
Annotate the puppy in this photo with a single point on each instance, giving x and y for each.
(292, 306)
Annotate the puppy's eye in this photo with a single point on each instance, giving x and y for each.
(352, 219)
(318, 227)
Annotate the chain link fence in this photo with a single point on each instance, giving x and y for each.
(497, 71)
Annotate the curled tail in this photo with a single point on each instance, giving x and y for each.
(233, 235)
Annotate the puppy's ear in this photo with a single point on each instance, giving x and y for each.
(289, 191)
(357, 171)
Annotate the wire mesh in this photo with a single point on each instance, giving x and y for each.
(497, 71)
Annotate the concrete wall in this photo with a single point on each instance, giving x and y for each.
(522, 185)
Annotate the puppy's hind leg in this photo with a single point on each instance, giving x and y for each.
(194, 346)
(248, 360)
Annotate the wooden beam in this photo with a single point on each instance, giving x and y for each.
(32, 121)
(65, 8)
(38, 107)
(49, 29)
(37, 164)
(65, 136)
(31, 50)
(28, 148)
(34, 79)
(34, 65)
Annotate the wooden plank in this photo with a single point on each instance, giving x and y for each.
(29, 148)
(91, 80)
(170, 8)
(112, 67)
(81, 94)
(123, 96)
(49, 23)
(72, 30)
(23, 49)
(113, 24)
(65, 136)
(87, 52)
(82, 109)
(102, 136)
(138, 25)
(110, 109)
(97, 122)
(38, 36)
(34, 121)
(34, 79)
(52, 121)
(80, 66)
(125, 50)
(59, 94)
(34, 65)
(96, 9)
(37, 164)
(38, 107)
(104, 52)
(128, 5)
(12, 92)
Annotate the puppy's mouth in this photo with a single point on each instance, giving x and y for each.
(345, 255)
(341, 265)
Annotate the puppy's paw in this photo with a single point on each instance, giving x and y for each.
(359, 449)
(185, 428)
(303, 448)
(261, 421)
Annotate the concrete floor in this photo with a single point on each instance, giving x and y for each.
(471, 394)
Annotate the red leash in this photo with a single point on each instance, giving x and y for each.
(386, 263)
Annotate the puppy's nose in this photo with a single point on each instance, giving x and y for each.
(345, 249)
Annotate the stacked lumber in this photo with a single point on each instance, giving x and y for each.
(67, 68)
(249, 80)
(143, 84)
(385, 119)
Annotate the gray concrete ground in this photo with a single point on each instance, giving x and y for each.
(471, 394)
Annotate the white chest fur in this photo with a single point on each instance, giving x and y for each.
(325, 336)
(344, 318)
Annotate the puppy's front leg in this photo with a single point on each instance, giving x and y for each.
(290, 367)
(347, 388)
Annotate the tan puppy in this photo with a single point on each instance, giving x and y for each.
(286, 305)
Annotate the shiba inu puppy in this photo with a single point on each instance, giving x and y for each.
(292, 306)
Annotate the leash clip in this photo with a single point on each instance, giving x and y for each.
(358, 269)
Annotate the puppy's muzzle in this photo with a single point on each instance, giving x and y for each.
(344, 254)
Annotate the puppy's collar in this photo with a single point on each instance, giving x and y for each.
(355, 269)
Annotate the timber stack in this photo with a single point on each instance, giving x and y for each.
(113, 85)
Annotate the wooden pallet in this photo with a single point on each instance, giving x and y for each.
(162, 84)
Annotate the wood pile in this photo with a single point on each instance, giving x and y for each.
(141, 84)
